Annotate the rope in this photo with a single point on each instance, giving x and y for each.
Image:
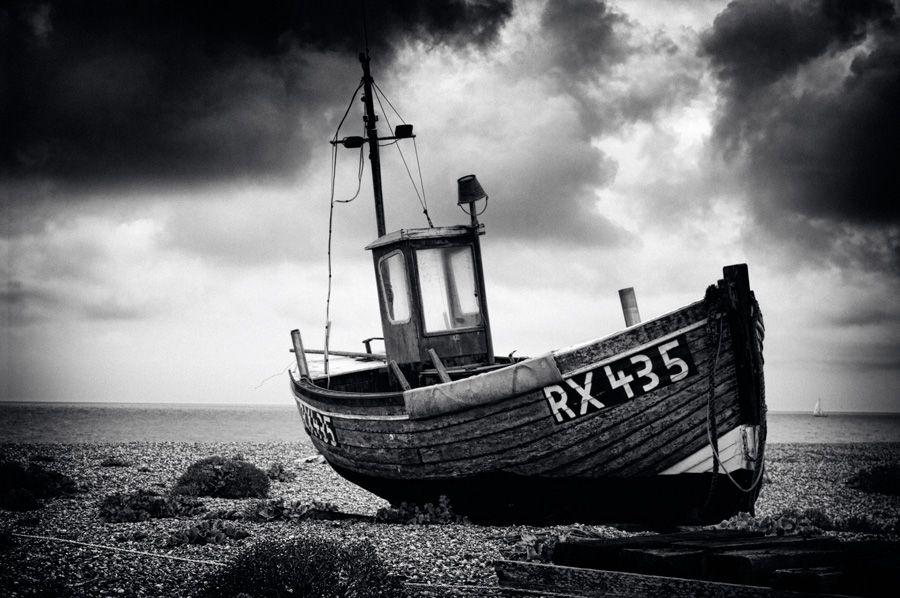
(711, 425)
(264, 380)
(331, 224)
(113, 548)
(359, 174)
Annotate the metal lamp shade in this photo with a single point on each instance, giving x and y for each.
(470, 190)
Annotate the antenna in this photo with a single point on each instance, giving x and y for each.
(362, 6)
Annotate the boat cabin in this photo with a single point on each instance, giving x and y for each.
(431, 296)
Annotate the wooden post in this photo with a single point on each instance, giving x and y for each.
(299, 354)
(439, 366)
(372, 134)
(398, 374)
(629, 306)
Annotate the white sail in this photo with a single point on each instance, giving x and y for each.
(817, 410)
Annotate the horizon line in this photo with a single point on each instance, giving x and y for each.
(5, 402)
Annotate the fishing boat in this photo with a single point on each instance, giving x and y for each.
(663, 421)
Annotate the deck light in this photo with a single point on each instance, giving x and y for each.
(352, 142)
(403, 131)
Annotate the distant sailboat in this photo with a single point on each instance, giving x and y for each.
(817, 410)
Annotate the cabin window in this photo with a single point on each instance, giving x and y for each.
(449, 292)
(394, 287)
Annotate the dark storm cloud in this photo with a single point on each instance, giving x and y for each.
(150, 91)
(585, 31)
(826, 154)
(593, 51)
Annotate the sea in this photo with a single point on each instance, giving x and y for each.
(165, 422)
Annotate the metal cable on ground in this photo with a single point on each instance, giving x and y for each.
(115, 549)
(220, 564)
(505, 590)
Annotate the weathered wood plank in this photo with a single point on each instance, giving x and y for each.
(676, 442)
(585, 451)
(756, 543)
(398, 375)
(604, 553)
(592, 582)
(668, 561)
(509, 414)
(572, 359)
(753, 566)
(438, 366)
(810, 579)
(527, 446)
(456, 438)
(520, 443)
(645, 456)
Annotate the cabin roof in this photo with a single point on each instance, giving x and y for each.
(411, 234)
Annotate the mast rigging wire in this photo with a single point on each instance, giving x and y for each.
(331, 226)
(422, 199)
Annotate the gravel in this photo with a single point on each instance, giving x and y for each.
(429, 556)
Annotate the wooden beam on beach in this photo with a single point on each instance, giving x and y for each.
(592, 582)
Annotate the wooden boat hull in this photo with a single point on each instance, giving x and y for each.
(615, 429)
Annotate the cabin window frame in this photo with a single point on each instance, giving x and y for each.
(389, 306)
(476, 285)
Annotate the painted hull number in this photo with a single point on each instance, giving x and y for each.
(620, 381)
(317, 425)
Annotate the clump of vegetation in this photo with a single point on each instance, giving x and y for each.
(223, 478)
(24, 487)
(866, 524)
(207, 532)
(278, 509)
(789, 522)
(6, 540)
(146, 504)
(227, 514)
(881, 479)
(42, 458)
(424, 514)
(114, 461)
(133, 536)
(810, 522)
(278, 473)
(305, 567)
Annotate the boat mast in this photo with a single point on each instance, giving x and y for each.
(371, 132)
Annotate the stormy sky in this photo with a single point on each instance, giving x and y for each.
(165, 173)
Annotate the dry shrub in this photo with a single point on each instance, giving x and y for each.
(880, 479)
(21, 488)
(146, 504)
(207, 532)
(223, 478)
(113, 461)
(425, 514)
(305, 567)
(277, 509)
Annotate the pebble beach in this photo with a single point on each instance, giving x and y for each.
(66, 548)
